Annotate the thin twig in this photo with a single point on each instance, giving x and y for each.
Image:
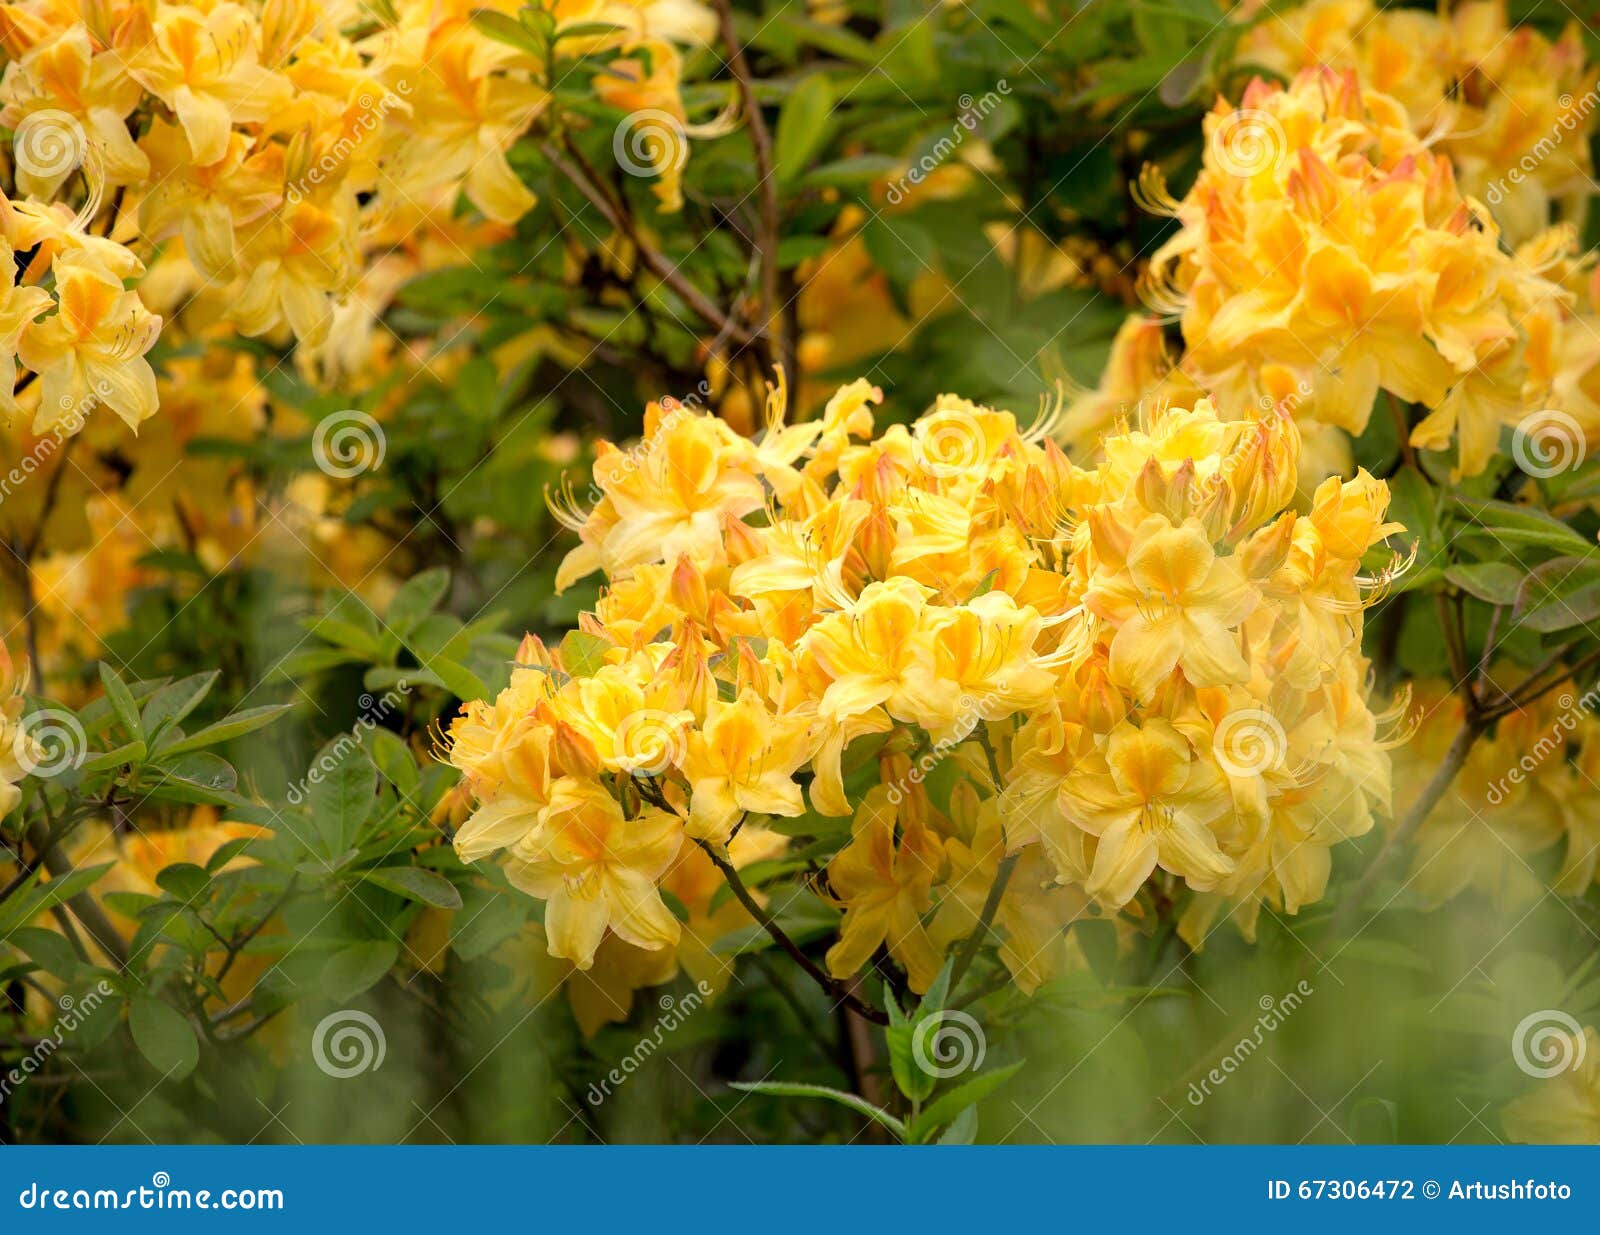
(669, 274)
(767, 187)
(836, 990)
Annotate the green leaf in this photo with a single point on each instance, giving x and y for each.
(394, 760)
(1560, 593)
(803, 124)
(835, 40)
(184, 880)
(415, 883)
(785, 1089)
(937, 993)
(417, 598)
(486, 920)
(169, 705)
(226, 729)
(1494, 582)
(130, 752)
(504, 29)
(357, 968)
(1509, 523)
(164, 1037)
(963, 1129)
(1412, 503)
(198, 777)
(342, 785)
(909, 1079)
(947, 1106)
(227, 852)
(122, 703)
(52, 951)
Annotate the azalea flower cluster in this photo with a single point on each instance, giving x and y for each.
(270, 154)
(1512, 110)
(1009, 672)
(1327, 254)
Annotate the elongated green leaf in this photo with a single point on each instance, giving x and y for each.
(121, 701)
(786, 1089)
(341, 788)
(226, 729)
(164, 1037)
(947, 1106)
(802, 127)
(414, 883)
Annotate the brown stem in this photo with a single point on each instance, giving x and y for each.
(767, 188)
(1455, 647)
(836, 989)
(1454, 757)
(669, 274)
(84, 907)
(1522, 696)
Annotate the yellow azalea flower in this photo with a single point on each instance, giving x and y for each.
(294, 261)
(979, 664)
(884, 885)
(596, 869)
(207, 203)
(1147, 801)
(18, 308)
(1502, 817)
(1178, 605)
(91, 350)
(668, 497)
(870, 652)
(744, 760)
(462, 119)
(79, 102)
(203, 64)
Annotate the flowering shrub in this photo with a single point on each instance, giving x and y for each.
(899, 764)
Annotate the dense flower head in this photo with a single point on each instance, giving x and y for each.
(1326, 254)
(978, 653)
(1512, 110)
(293, 158)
